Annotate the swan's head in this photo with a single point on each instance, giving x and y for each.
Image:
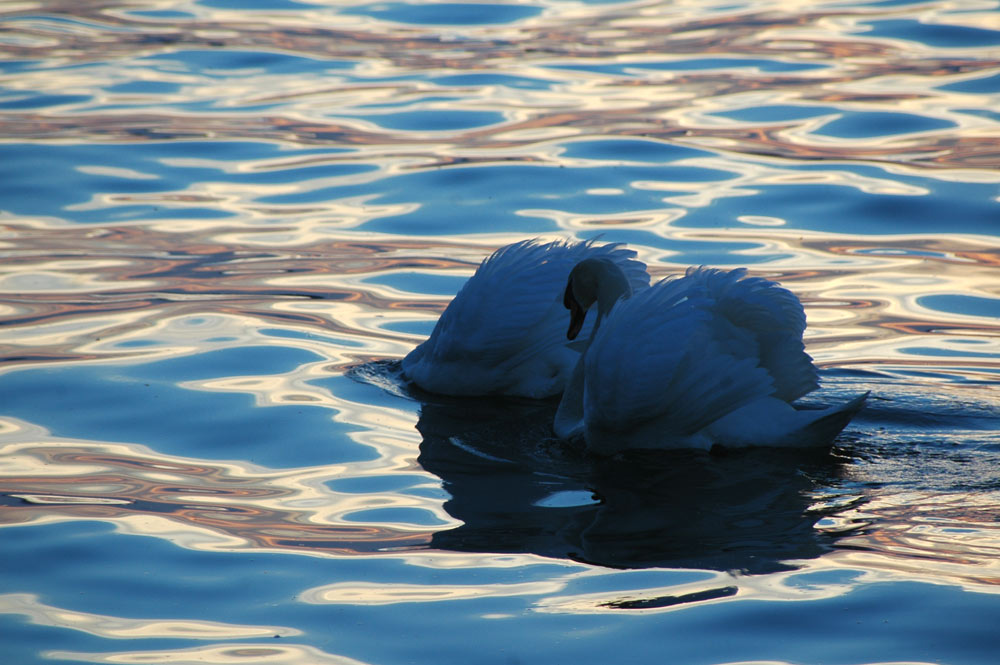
(593, 280)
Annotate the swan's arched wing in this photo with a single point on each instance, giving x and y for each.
(512, 304)
(656, 357)
(758, 319)
(508, 313)
(492, 316)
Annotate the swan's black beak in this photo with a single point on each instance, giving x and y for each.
(576, 313)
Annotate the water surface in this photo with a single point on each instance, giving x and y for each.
(222, 223)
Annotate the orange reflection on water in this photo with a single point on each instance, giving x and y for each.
(607, 70)
(152, 279)
(135, 292)
(179, 289)
(194, 503)
(943, 538)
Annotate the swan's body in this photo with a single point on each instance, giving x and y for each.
(711, 358)
(505, 331)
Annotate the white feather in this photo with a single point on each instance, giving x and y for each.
(504, 333)
(713, 357)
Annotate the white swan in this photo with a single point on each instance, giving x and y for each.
(504, 332)
(711, 358)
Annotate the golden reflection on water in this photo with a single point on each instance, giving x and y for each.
(223, 654)
(190, 293)
(122, 628)
(121, 293)
(614, 84)
(183, 290)
(154, 287)
(943, 538)
(363, 593)
(197, 504)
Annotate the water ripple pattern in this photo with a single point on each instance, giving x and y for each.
(222, 223)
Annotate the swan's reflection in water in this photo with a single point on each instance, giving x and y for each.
(517, 489)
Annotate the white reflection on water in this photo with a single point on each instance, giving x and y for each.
(241, 207)
(860, 294)
(934, 537)
(359, 593)
(227, 654)
(125, 628)
(918, 555)
(201, 505)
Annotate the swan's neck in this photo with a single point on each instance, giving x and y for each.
(610, 285)
(597, 281)
(569, 416)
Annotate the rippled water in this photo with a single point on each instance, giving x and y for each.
(223, 221)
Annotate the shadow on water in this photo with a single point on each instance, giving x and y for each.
(518, 490)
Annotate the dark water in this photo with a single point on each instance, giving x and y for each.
(222, 222)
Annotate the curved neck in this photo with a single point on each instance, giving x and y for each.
(593, 280)
(611, 285)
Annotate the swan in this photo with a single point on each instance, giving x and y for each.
(504, 332)
(711, 358)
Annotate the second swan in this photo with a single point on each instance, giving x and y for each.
(711, 358)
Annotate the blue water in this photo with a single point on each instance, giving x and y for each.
(222, 224)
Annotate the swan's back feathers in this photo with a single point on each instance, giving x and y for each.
(658, 357)
(711, 358)
(497, 313)
(507, 314)
(757, 318)
(488, 318)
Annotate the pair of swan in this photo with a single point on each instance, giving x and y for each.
(711, 358)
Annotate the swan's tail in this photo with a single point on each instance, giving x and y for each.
(825, 428)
